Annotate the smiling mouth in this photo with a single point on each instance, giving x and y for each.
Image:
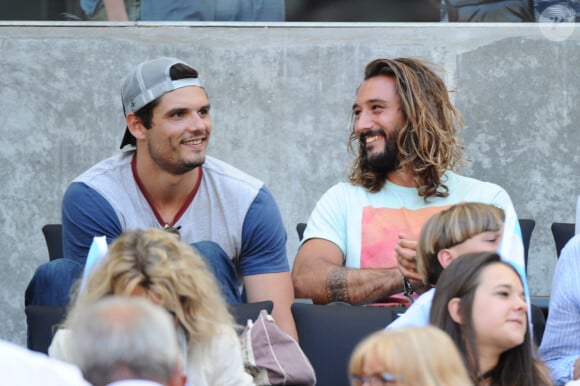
(369, 137)
(372, 138)
(193, 142)
(517, 321)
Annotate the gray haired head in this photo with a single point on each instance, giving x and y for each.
(124, 338)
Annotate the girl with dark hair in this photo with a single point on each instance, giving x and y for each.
(480, 303)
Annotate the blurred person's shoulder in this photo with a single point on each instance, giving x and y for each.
(24, 367)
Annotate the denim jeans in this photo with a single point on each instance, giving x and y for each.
(223, 268)
(52, 282)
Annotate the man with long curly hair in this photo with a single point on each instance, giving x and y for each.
(359, 244)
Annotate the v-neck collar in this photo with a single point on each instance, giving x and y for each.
(150, 201)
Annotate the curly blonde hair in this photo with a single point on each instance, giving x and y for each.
(428, 144)
(170, 272)
(423, 356)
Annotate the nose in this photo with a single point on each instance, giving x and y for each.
(196, 122)
(363, 122)
(520, 303)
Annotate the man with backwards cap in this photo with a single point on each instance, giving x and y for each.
(166, 180)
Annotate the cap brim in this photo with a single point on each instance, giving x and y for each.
(128, 139)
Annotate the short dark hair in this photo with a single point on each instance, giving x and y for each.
(177, 71)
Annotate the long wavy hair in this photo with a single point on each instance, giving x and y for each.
(516, 366)
(172, 274)
(451, 227)
(423, 356)
(428, 144)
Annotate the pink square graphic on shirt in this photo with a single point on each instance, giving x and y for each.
(380, 232)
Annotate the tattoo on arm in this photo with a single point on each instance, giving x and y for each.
(336, 286)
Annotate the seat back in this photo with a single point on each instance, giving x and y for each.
(53, 237)
(329, 333)
(42, 323)
(562, 232)
(243, 312)
(300, 227)
(527, 226)
(539, 323)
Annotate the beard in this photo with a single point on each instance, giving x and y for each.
(385, 161)
(174, 166)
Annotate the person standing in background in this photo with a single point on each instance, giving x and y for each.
(182, 10)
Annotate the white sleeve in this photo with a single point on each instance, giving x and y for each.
(221, 362)
(60, 346)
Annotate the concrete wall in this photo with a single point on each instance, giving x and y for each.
(281, 97)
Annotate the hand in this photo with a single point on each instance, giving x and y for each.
(576, 373)
(405, 251)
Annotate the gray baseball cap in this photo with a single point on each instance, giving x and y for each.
(147, 82)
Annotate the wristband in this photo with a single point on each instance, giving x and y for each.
(408, 289)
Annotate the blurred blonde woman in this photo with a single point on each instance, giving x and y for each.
(154, 264)
(414, 356)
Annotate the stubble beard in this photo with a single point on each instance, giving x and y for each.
(175, 166)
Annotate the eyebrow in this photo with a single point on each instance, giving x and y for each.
(374, 100)
(175, 110)
(506, 286)
(182, 109)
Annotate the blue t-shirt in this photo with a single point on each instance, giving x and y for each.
(229, 207)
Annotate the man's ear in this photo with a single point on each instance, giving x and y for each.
(135, 126)
(177, 380)
(445, 257)
(177, 377)
(454, 309)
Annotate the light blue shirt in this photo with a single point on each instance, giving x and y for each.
(417, 315)
(560, 345)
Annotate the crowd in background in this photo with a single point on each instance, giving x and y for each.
(293, 10)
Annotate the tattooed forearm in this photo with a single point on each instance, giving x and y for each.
(336, 286)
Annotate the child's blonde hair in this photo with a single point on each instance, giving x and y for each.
(451, 227)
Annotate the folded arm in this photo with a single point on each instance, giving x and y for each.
(319, 274)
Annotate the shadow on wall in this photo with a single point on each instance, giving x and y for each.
(363, 10)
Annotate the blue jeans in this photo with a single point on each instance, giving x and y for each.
(223, 268)
(52, 282)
